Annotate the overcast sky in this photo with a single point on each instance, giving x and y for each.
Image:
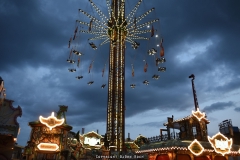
(200, 37)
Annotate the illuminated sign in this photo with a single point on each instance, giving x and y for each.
(220, 143)
(48, 146)
(51, 121)
(199, 115)
(91, 141)
(196, 148)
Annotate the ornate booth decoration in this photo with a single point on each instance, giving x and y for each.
(51, 122)
(196, 148)
(220, 143)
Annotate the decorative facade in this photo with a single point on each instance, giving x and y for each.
(49, 138)
(9, 127)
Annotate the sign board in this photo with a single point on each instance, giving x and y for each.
(220, 143)
(51, 121)
(196, 148)
(198, 114)
(48, 146)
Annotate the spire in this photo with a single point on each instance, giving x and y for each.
(194, 92)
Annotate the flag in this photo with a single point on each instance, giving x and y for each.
(132, 71)
(152, 31)
(78, 62)
(69, 42)
(162, 49)
(70, 54)
(145, 67)
(103, 70)
(75, 32)
(90, 67)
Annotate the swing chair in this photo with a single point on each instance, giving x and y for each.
(146, 82)
(77, 53)
(93, 45)
(132, 86)
(79, 77)
(72, 70)
(135, 45)
(155, 76)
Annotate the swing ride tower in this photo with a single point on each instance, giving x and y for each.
(116, 29)
(116, 79)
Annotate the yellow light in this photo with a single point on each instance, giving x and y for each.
(220, 143)
(193, 148)
(48, 146)
(199, 115)
(51, 121)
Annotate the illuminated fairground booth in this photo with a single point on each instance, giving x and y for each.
(187, 139)
(49, 137)
(9, 127)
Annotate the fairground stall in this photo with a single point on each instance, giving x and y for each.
(187, 139)
(9, 127)
(49, 137)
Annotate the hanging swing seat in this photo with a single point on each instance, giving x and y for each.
(160, 60)
(135, 45)
(155, 77)
(77, 53)
(72, 70)
(93, 45)
(90, 83)
(152, 51)
(162, 69)
(70, 60)
(79, 77)
(103, 86)
(146, 82)
(132, 86)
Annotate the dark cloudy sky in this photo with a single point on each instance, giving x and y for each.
(200, 37)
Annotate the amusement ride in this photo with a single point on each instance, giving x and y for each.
(119, 28)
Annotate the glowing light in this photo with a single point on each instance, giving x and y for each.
(51, 122)
(15, 139)
(220, 143)
(91, 141)
(199, 115)
(48, 146)
(196, 148)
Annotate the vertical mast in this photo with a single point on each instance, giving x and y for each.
(194, 92)
(116, 82)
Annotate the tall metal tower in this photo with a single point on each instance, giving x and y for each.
(117, 29)
(116, 81)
